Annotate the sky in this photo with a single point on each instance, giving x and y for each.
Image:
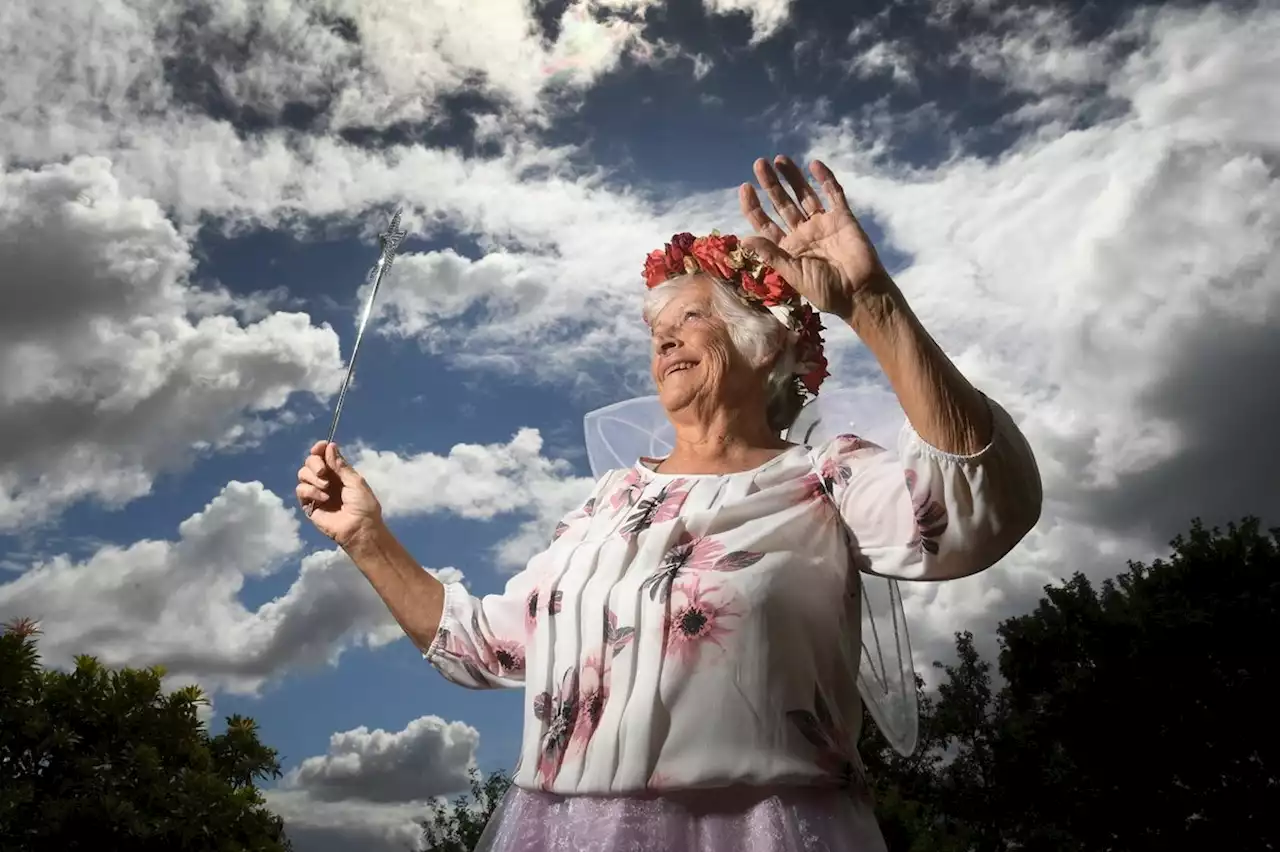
(1081, 202)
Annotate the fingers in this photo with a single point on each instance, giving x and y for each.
(827, 180)
(769, 252)
(338, 464)
(317, 478)
(317, 449)
(309, 495)
(810, 203)
(782, 202)
(755, 214)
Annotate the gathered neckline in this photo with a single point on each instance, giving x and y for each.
(643, 466)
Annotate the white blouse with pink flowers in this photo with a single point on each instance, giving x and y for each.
(686, 631)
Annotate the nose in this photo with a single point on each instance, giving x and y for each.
(664, 341)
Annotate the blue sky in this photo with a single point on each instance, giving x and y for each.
(1078, 200)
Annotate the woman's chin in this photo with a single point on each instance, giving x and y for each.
(675, 395)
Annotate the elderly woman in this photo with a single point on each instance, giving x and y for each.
(689, 639)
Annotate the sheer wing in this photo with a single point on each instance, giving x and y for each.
(886, 673)
(619, 434)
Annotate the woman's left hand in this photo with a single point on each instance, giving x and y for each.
(822, 251)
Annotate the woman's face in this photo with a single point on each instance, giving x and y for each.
(693, 356)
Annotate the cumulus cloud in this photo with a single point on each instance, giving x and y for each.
(480, 482)
(116, 365)
(370, 787)
(177, 602)
(429, 758)
(338, 63)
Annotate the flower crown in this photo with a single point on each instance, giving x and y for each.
(759, 285)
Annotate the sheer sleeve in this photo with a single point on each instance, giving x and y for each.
(923, 514)
(480, 643)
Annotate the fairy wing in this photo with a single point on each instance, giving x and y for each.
(619, 434)
(886, 672)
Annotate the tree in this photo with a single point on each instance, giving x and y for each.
(104, 759)
(1139, 717)
(1131, 717)
(457, 826)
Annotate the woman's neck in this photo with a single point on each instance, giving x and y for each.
(726, 441)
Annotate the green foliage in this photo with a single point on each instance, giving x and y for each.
(104, 759)
(457, 826)
(1131, 716)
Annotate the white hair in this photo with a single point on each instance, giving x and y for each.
(756, 335)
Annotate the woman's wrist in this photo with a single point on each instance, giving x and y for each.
(945, 410)
(367, 539)
(881, 317)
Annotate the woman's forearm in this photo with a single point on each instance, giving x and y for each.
(944, 408)
(413, 595)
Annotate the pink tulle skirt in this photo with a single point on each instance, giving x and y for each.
(791, 819)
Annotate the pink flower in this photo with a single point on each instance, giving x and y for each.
(697, 621)
(663, 506)
(507, 656)
(627, 490)
(559, 715)
(593, 692)
(931, 516)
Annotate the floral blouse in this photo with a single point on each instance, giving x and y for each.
(687, 631)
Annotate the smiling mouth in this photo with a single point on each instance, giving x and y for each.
(678, 368)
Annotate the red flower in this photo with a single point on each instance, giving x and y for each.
(712, 254)
(813, 379)
(679, 246)
(723, 257)
(777, 290)
(656, 269)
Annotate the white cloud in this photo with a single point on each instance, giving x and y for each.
(429, 758)
(481, 482)
(891, 58)
(377, 62)
(767, 16)
(370, 63)
(347, 826)
(371, 787)
(177, 603)
(117, 366)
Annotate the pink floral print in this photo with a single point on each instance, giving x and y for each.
(593, 692)
(501, 657)
(663, 506)
(628, 490)
(481, 670)
(554, 603)
(559, 715)
(931, 516)
(691, 587)
(695, 622)
(617, 638)
(695, 554)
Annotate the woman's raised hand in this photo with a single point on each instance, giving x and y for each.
(821, 250)
(335, 496)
